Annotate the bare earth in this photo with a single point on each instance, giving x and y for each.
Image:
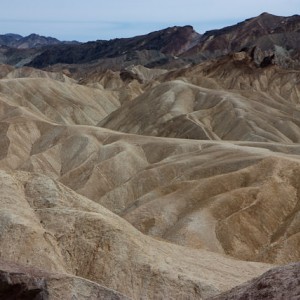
(158, 185)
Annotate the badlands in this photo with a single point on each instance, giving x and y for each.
(166, 170)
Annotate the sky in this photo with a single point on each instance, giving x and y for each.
(86, 20)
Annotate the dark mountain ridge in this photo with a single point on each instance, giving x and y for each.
(171, 41)
(31, 41)
(263, 36)
(268, 39)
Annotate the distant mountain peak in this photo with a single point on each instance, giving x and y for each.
(266, 14)
(273, 38)
(32, 40)
(264, 37)
(13, 35)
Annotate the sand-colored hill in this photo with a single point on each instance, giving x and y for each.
(238, 72)
(46, 225)
(197, 194)
(5, 69)
(228, 99)
(54, 97)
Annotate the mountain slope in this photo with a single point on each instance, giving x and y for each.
(31, 41)
(53, 97)
(164, 44)
(278, 283)
(267, 38)
(227, 99)
(263, 36)
(165, 185)
(53, 228)
(160, 182)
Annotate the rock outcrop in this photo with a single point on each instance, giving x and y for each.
(27, 283)
(279, 283)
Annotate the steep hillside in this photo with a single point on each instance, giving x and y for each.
(226, 99)
(278, 283)
(53, 97)
(198, 194)
(31, 41)
(265, 37)
(46, 225)
(160, 46)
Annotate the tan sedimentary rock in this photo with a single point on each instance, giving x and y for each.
(150, 217)
(239, 199)
(46, 225)
(218, 100)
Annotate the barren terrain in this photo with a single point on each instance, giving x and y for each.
(151, 183)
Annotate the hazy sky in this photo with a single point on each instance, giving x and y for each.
(85, 20)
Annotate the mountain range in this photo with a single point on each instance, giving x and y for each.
(267, 38)
(163, 166)
(31, 41)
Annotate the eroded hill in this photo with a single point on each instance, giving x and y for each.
(150, 183)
